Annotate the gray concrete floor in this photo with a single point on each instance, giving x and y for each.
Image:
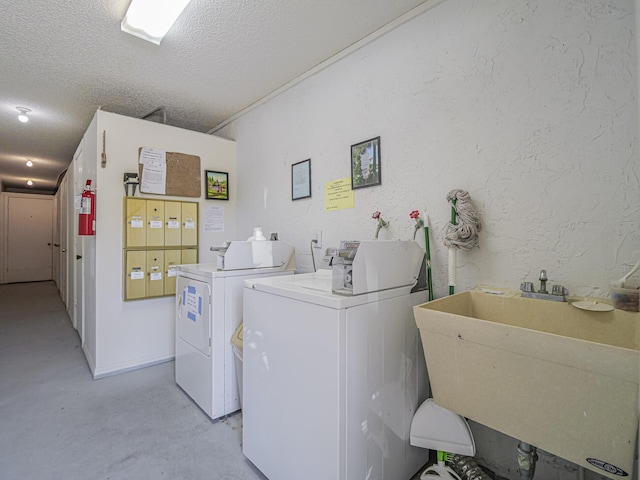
(57, 423)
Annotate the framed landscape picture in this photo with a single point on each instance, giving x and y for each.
(216, 185)
(365, 164)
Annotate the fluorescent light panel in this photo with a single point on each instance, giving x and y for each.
(152, 19)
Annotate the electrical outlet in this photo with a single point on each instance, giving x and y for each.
(317, 238)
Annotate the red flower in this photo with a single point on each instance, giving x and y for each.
(415, 214)
(381, 223)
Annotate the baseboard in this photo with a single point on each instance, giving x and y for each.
(87, 355)
(102, 373)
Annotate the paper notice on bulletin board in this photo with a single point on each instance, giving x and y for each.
(154, 170)
(338, 195)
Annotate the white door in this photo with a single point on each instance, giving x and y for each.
(55, 252)
(78, 282)
(78, 251)
(63, 216)
(72, 222)
(29, 238)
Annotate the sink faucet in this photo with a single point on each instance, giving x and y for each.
(558, 292)
(543, 282)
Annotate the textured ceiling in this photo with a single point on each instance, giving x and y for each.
(64, 59)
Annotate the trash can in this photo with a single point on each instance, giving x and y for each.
(236, 344)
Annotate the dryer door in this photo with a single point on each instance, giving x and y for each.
(194, 318)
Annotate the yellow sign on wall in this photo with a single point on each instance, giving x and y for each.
(338, 195)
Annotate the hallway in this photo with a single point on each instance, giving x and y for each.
(59, 423)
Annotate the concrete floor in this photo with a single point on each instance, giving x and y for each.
(56, 422)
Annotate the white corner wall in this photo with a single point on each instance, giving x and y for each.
(530, 106)
(121, 335)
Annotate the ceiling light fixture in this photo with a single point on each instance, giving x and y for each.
(23, 114)
(152, 19)
(29, 182)
(29, 163)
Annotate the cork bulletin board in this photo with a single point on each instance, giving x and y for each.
(183, 177)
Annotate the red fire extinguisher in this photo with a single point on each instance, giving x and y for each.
(87, 219)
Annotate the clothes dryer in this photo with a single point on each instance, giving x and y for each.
(208, 311)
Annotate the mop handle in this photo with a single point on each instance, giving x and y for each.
(452, 252)
(429, 273)
(452, 269)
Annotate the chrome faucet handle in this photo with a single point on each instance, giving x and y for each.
(559, 290)
(543, 276)
(527, 287)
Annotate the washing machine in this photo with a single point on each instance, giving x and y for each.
(332, 378)
(208, 311)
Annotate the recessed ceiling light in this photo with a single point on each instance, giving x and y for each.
(29, 182)
(29, 163)
(152, 19)
(23, 114)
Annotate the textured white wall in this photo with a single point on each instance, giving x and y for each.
(123, 335)
(530, 106)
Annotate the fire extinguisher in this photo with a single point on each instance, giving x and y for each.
(87, 219)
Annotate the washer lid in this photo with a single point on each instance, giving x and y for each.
(316, 288)
(210, 270)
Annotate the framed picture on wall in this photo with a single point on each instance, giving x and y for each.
(301, 180)
(365, 164)
(216, 185)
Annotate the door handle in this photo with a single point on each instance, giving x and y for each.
(56, 244)
(78, 257)
(64, 250)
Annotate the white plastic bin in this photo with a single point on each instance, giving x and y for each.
(236, 344)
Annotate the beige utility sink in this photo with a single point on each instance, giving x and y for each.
(563, 379)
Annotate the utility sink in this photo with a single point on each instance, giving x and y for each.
(563, 379)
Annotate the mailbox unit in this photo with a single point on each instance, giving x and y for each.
(158, 234)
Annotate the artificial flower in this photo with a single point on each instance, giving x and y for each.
(415, 214)
(381, 223)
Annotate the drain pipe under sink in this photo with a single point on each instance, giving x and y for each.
(467, 468)
(527, 458)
